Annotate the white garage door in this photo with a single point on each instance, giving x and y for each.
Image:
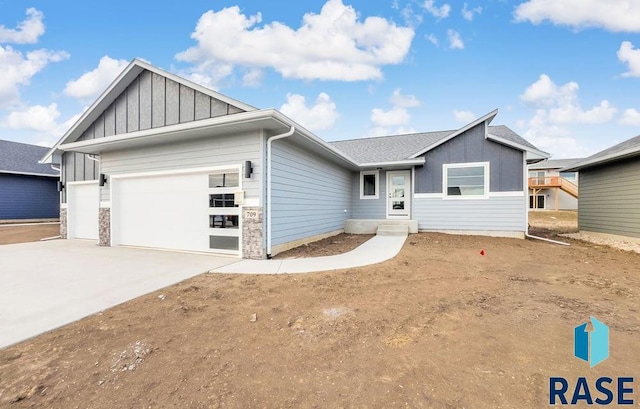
(179, 212)
(83, 200)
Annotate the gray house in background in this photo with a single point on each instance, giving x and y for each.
(28, 189)
(610, 190)
(550, 188)
(158, 161)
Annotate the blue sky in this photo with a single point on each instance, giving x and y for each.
(565, 74)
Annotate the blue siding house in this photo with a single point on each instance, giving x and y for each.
(28, 189)
(159, 161)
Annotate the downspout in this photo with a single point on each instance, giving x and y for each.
(268, 196)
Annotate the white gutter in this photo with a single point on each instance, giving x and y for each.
(93, 158)
(55, 168)
(268, 198)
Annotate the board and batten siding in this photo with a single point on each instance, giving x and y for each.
(369, 208)
(609, 199)
(309, 194)
(501, 213)
(506, 169)
(28, 197)
(231, 150)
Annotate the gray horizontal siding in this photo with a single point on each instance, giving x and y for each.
(505, 164)
(609, 199)
(369, 208)
(493, 214)
(309, 195)
(213, 151)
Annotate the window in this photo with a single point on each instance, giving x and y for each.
(466, 180)
(228, 179)
(569, 176)
(369, 184)
(224, 214)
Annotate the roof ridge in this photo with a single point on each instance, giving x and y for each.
(24, 143)
(391, 136)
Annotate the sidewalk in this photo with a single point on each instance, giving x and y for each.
(375, 250)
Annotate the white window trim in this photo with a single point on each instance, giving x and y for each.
(445, 187)
(377, 184)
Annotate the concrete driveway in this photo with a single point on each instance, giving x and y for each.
(45, 285)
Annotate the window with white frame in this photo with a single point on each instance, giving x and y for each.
(466, 180)
(369, 184)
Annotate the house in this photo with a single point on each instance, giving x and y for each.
(28, 189)
(180, 166)
(609, 202)
(551, 189)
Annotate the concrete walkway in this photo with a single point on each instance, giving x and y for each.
(373, 251)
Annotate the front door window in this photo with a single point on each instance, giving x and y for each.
(399, 193)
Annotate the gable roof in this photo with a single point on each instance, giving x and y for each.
(119, 85)
(626, 149)
(394, 148)
(22, 159)
(555, 163)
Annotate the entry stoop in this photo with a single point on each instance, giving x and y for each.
(392, 230)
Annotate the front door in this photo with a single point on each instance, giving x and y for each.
(398, 194)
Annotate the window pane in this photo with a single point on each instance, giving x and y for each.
(466, 181)
(397, 181)
(223, 243)
(221, 200)
(224, 180)
(369, 185)
(224, 221)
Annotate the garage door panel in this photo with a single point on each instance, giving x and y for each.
(164, 212)
(82, 210)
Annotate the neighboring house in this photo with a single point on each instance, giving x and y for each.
(28, 189)
(609, 200)
(180, 166)
(551, 189)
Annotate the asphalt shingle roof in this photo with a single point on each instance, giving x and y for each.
(630, 147)
(16, 157)
(555, 163)
(399, 147)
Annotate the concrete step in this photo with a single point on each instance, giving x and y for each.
(392, 230)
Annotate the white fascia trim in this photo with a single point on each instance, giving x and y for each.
(407, 162)
(30, 174)
(488, 118)
(428, 196)
(177, 172)
(83, 182)
(506, 194)
(596, 161)
(531, 153)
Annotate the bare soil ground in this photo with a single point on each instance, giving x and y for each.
(439, 326)
(550, 224)
(10, 234)
(330, 246)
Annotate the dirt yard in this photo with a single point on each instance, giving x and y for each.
(451, 322)
(549, 223)
(11, 234)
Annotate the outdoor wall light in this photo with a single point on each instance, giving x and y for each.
(103, 179)
(60, 186)
(248, 170)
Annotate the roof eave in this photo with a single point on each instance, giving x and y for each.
(48, 175)
(386, 164)
(488, 118)
(532, 155)
(628, 153)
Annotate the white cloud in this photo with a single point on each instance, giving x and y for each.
(468, 13)
(464, 116)
(332, 45)
(91, 84)
(37, 118)
(455, 42)
(432, 39)
(28, 30)
(631, 56)
(559, 104)
(322, 115)
(17, 69)
(411, 18)
(612, 15)
(435, 11)
(556, 108)
(406, 101)
(253, 77)
(631, 117)
(394, 117)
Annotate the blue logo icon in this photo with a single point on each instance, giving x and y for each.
(591, 346)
